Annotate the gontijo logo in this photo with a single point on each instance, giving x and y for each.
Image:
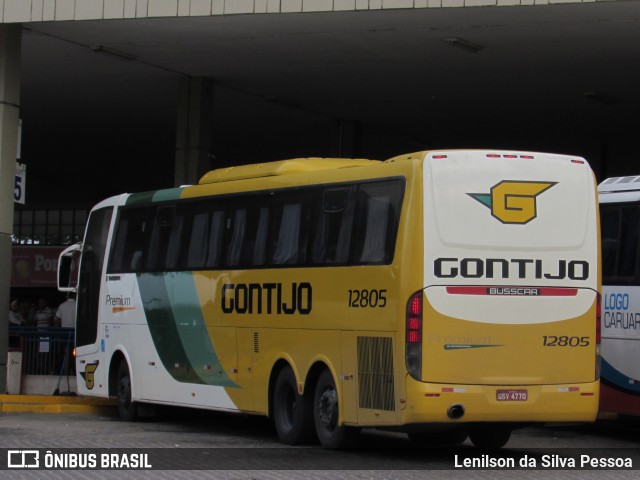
(513, 201)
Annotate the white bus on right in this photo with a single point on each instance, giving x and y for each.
(620, 224)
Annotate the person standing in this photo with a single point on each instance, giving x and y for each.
(15, 317)
(66, 318)
(66, 313)
(43, 315)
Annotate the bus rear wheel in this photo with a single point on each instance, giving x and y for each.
(126, 407)
(292, 412)
(490, 436)
(326, 414)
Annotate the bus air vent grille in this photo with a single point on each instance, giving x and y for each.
(256, 342)
(375, 373)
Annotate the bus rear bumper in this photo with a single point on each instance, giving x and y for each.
(429, 403)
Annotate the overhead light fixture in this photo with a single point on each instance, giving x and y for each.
(463, 44)
(601, 97)
(111, 51)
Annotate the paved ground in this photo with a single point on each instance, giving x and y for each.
(249, 448)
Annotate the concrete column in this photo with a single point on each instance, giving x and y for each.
(194, 130)
(10, 41)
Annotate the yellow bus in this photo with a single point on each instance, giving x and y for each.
(444, 293)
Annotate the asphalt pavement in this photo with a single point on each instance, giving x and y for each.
(184, 443)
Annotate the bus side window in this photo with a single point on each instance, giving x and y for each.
(216, 235)
(205, 240)
(197, 251)
(174, 248)
(620, 238)
(153, 249)
(319, 245)
(260, 243)
(130, 243)
(249, 229)
(610, 220)
(375, 231)
(290, 244)
(628, 242)
(163, 250)
(377, 223)
(343, 244)
(237, 237)
(333, 227)
(117, 255)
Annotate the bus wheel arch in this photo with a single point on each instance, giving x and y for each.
(326, 414)
(275, 371)
(291, 412)
(117, 358)
(120, 386)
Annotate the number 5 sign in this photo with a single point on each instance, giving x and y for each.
(21, 183)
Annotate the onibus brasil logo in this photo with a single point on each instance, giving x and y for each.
(513, 201)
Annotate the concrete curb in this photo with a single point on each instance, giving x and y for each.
(55, 404)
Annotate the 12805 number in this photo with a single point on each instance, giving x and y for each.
(564, 341)
(368, 298)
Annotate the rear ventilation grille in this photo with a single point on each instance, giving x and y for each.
(375, 373)
(256, 343)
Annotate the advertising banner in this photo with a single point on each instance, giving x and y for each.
(34, 266)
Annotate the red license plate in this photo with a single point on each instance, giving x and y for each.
(520, 395)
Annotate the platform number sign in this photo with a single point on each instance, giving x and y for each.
(20, 186)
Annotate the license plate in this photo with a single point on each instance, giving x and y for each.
(512, 395)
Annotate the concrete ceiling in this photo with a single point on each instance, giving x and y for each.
(561, 77)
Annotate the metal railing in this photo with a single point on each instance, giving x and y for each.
(45, 351)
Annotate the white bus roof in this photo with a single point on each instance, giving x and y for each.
(620, 189)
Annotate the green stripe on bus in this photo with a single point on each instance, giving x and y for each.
(187, 311)
(169, 194)
(163, 329)
(138, 198)
(177, 334)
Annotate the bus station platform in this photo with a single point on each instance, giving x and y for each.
(56, 404)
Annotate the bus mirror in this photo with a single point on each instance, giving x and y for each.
(68, 263)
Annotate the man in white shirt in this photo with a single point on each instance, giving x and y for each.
(66, 313)
(15, 317)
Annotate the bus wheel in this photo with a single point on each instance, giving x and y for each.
(126, 408)
(326, 414)
(292, 413)
(490, 436)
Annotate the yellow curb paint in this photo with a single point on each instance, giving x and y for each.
(35, 408)
(54, 404)
(56, 399)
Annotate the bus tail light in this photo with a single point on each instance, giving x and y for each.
(413, 323)
(598, 333)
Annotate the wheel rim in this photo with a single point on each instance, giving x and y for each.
(328, 409)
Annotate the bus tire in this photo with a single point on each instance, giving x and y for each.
(490, 436)
(326, 415)
(292, 412)
(127, 409)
